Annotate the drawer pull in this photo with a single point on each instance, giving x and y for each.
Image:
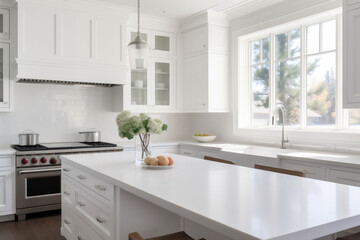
(81, 204)
(81, 177)
(101, 188)
(100, 219)
(66, 221)
(67, 193)
(187, 153)
(66, 170)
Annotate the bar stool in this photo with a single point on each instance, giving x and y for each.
(218, 160)
(355, 236)
(173, 236)
(280, 170)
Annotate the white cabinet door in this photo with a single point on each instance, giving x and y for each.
(351, 48)
(196, 83)
(162, 44)
(311, 170)
(348, 176)
(6, 191)
(4, 77)
(4, 23)
(196, 41)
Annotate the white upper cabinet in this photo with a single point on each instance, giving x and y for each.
(153, 89)
(71, 41)
(206, 69)
(351, 54)
(4, 77)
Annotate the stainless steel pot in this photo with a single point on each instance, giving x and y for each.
(28, 138)
(92, 136)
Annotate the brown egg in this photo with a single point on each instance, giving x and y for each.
(147, 160)
(163, 161)
(171, 160)
(154, 161)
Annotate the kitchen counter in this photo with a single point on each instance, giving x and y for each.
(237, 202)
(6, 150)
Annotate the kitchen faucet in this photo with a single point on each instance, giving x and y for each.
(281, 107)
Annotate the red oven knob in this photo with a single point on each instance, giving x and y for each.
(24, 161)
(53, 161)
(43, 160)
(34, 160)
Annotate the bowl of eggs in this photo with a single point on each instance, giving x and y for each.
(159, 162)
(203, 138)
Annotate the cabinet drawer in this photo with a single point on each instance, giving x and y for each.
(67, 191)
(93, 211)
(187, 152)
(67, 222)
(6, 162)
(311, 171)
(344, 177)
(103, 188)
(85, 232)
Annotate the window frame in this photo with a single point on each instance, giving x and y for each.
(244, 94)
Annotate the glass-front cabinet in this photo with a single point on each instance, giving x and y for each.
(4, 76)
(4, 23)
(153, 89)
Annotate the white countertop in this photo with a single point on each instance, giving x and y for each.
(6, 150)
(241, 203)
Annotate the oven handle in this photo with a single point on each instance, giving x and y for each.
(39, 170)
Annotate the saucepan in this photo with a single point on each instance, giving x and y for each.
(28, 138)
(92, 136)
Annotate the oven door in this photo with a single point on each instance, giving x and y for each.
(38, 186)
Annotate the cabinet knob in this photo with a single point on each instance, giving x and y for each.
(81, 204)
(66, 221)
(204, 45)
(66, 193)
(101, 188)
(100, 219)
(81, 177)
(80, 238)
(66, 170)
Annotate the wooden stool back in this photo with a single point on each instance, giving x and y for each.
(280, 170)
(218, 160)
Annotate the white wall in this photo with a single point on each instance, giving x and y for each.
(59, 112)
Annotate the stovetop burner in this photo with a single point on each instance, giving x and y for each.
(37, 147)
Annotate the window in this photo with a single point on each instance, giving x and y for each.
(296, 66)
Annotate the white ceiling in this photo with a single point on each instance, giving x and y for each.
(180, 9)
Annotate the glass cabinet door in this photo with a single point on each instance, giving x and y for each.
(4, 23)
(4, 74)
(139, 87)
(162, 43)
(162, 83)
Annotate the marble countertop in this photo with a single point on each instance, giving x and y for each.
(239, 202)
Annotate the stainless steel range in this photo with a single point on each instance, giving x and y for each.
(38, 168)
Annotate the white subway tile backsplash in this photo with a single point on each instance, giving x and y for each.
(59, 112)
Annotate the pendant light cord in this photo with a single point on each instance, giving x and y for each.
(138, 18)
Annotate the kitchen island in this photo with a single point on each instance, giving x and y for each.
(107, 196)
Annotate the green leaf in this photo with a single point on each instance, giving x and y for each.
(164, 127)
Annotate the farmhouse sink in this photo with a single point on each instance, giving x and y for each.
(256, 150)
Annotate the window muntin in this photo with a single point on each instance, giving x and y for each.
(301, 74)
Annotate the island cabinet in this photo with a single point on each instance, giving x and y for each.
(75, 41)
(351, 53)
(87, 206)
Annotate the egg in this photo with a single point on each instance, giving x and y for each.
(171, 160)
(163, 161)
(154, 161)
(147, 160)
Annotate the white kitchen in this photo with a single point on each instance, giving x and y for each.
(179, 120)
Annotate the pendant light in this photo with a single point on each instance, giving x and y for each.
(138, 49)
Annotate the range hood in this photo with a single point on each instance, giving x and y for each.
(44, 81)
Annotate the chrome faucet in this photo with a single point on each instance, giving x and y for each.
(281, 107)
